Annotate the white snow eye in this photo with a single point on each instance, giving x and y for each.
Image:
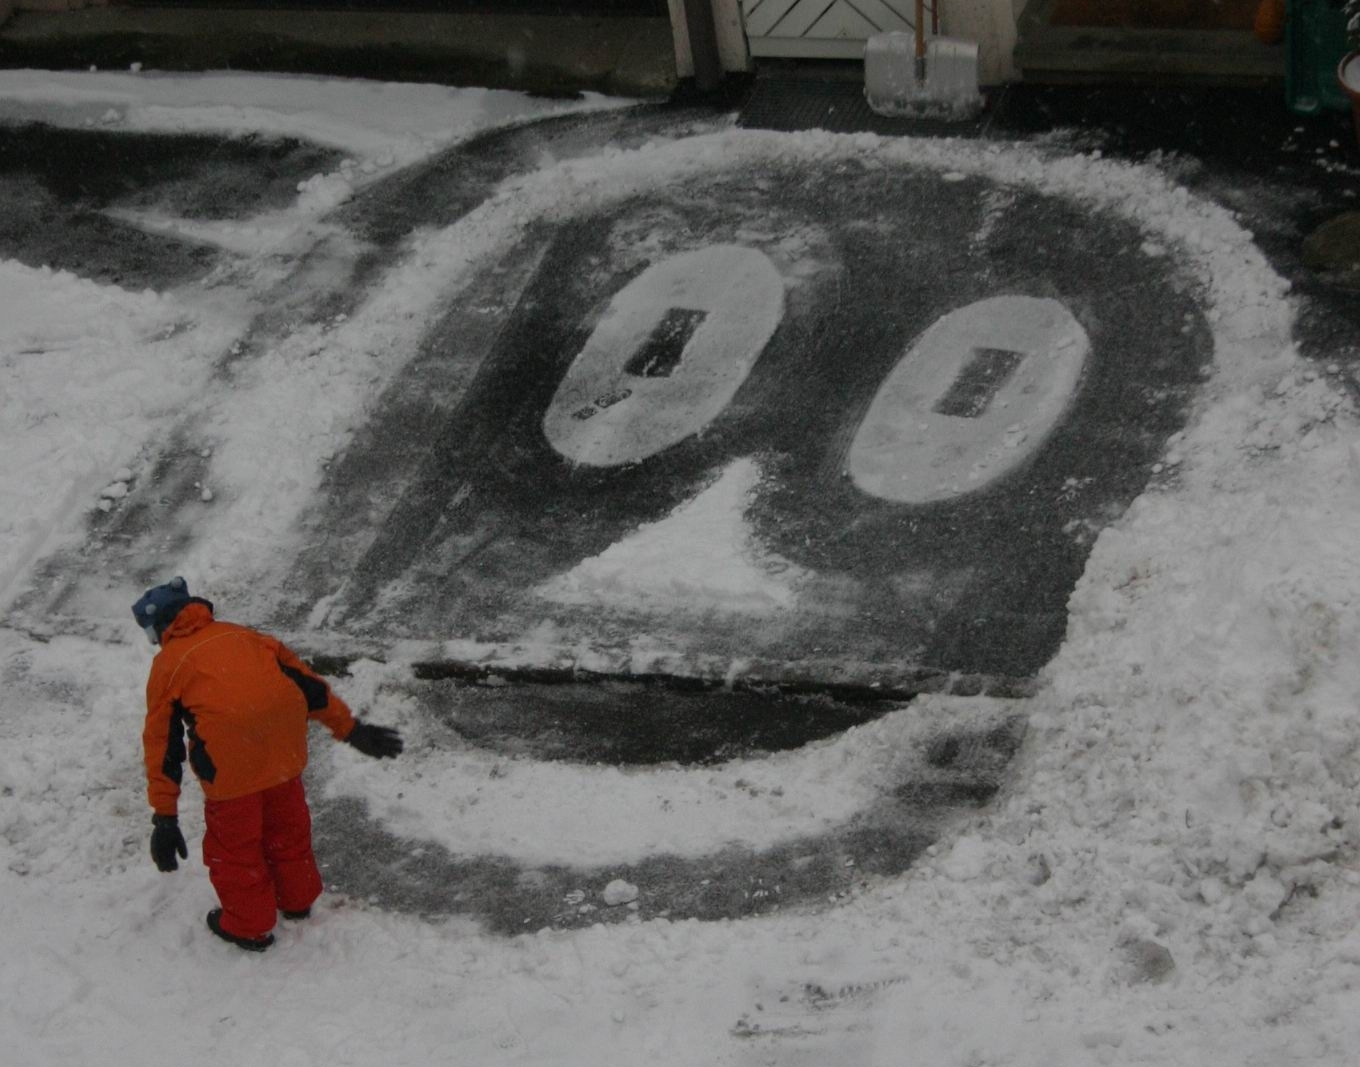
(669, 354)
(974, 397)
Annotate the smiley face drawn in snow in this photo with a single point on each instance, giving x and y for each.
(943, 411)
(1043, 377)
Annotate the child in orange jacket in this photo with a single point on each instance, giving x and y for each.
(243, 700)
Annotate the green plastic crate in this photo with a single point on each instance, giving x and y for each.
(1315, 41)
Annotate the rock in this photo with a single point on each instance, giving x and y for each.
(1147, 961)
(967, 860)
(619, 892)
(1334, 249)
(1265, 893)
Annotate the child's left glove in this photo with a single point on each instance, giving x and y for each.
(377, 741)
(166, 841)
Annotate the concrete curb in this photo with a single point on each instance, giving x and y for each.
(624, 56)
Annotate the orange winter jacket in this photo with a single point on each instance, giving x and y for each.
(242, 698)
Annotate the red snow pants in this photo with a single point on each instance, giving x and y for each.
(258, 851)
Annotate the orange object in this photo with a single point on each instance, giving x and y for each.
(1268, 25)
(242, 698)
(1348, 73)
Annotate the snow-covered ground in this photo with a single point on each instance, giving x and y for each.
(1171, 876)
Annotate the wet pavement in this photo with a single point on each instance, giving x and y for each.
(589, 383)
(637, 722)
(62, 190)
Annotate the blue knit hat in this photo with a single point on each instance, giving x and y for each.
(158, 607)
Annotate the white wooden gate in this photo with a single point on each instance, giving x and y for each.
(822, 29)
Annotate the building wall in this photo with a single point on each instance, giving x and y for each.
(991, 23)
(50, 5)
(731, 37)
(9, 7)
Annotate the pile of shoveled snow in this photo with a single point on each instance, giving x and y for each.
(381, 124)
(88, 371)
(1174, 877)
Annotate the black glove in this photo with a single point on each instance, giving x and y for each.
(166, 840)
(377, 741)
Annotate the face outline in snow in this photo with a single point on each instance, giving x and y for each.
(811, 413)
(604, 309)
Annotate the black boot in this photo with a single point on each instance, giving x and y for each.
(301, 913)
(250, 944)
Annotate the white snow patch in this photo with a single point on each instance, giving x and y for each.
(388, 123)
(88, 371)
(619, 892)
(701, 557)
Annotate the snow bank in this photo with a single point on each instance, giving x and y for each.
(89, 372)
(381, 123)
